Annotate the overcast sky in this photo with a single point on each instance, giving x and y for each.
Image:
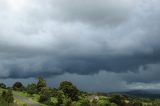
(99, 45)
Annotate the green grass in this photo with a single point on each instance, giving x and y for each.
(34, 97)
(18, 102)
(2, 102)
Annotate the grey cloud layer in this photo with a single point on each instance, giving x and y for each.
(51, 38)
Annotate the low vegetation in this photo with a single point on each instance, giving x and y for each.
(66, 94)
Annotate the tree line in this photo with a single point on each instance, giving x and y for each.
(67, 94)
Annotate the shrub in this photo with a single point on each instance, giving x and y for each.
(84, 102)
(118, 99)
(45, 96)
(2, 85)
(8, 96)
(67, 102)
(113, 104)
(103, 103)
(4, 93)
(31, 89)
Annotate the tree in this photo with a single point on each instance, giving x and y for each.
(9, 97)
(118, 99)
(4, 93)
(59, 101)
(2, 85)
(45, 96)
(31, 88)
(69, 90)
(18, 86)
(85, 102)
(67, 102)
(41, 84)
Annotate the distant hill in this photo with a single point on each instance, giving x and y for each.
(144, 93)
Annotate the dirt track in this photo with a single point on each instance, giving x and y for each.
(26, 100)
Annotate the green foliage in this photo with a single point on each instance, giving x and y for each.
(113, 104)
(68, 95)
(31, 88)
(69, 90)
(41, 84)
(8, 96)
(82, 102)
(18, 86)
(45, 95)
(59, 101)
(4, 93)
(2, 85)
(67, 102)
(44, 99)
(118, 99)
(3, 102)
(136, 103)
(85, 102)
(103, 103)
(55, 92)
(94, 102)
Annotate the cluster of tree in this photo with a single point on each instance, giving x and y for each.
(68, 94)
(124, 100)
(65, 93)
(7, 96)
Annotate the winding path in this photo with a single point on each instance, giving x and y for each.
(26, 100)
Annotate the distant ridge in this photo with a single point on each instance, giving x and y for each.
(151, 93)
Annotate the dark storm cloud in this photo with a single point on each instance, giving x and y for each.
(146, 74)
(52, 38)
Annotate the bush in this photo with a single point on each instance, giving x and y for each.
(2, 85)
(67, 102)
(113, 104)
(45, 96)
(85, 102)
(31, 89)
(59, 101)
(103, 103)
(4, 93)
(118, 99)
(8, 96)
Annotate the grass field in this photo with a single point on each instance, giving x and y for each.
(18, 102)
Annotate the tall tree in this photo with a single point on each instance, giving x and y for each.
(9, 97)
(69, 90)
(41, 84)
